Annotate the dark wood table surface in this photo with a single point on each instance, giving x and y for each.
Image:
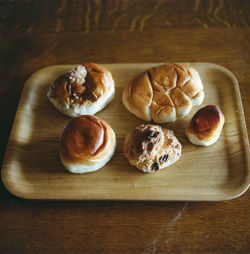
(35, 34)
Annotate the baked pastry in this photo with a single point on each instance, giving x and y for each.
(86, 89)
(164, 93)
(151, 147)
(87, 143)
(205, 126)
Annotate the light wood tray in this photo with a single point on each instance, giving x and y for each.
(32, 168)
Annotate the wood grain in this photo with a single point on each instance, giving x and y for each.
(218, 172)
(39, 33)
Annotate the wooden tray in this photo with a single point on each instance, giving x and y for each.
(32, 168)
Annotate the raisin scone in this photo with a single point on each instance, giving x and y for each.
(151, 148)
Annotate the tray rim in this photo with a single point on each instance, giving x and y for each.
(20, 194)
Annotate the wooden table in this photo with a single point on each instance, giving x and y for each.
(35, 34)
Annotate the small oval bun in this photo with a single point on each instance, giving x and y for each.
(205, 126)
(164, 93)
(86, 89)
(151, 148)
(87, 143)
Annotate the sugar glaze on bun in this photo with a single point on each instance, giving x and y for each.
(164, 93)
(87, 143)
(86, 89)
(205, 126)
(151, 148)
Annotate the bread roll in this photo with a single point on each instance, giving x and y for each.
(86, 89)
(151, 148)
(205, 126)
(87, 143)
(164, 93)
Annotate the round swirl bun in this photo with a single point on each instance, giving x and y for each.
(86, 89)
(87, 143)
(151, 148)
(205, 126)
(164, 93)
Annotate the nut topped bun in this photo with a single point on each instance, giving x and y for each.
(86, 89)
(151, 148)
(87, 143)
(164, 93)
(205, 126)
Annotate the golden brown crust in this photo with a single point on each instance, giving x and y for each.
(206, 123)
(95, 83)
(84, 82)
(138, 96)
(161, 106)
(164, 93)
(179, 98)
(85, 139)
(84, 90)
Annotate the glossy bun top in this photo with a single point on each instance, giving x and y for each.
(207, 122)
(88, 81)
(85, 139)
